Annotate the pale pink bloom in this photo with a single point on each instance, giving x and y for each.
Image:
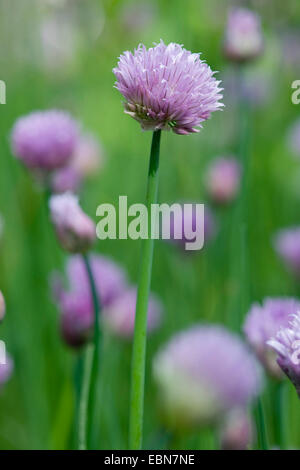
(237, 430)
(75, 230)
(223, 179)
(243, 37)
(88, 156)
(119, 316)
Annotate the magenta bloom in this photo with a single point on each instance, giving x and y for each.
(76, 302)
(65, 179)
(202, 374)
(75, 230)
(6, 370)
(287, 346)
(294, 138)
(167, 87)
(45, 140)
(243, 37)
(263, 322)
(287, 245)
(119, 316)
(223, 179)
(2, 306)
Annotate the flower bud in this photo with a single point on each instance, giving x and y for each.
(75, 230)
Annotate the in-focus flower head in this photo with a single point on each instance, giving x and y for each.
(263, 322)
(75, 230)
(202, 374)
(287, 245)
(6, 370)
(243, 37)
(287, 346)
(223, 179)
(119, 316)
(45, 140)
(167, 87)
(2, 306)
(75, 302)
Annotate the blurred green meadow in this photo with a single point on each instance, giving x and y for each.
(37, 404)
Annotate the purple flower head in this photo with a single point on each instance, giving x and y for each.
(76, 304)
(223, 179)
(287, 345)
(2, 306)
(167, 87)
(88, 156)
(45, 140)
(203, 373)
(6, 370)
(65, 179)
(294, 138)
(243, 37)
(119, 316)
(237, 431)
(75, 230)
(185, 227)
(263, 322)
(287, 245)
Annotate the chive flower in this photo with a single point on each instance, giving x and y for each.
(75, 230)
(167, 87)
(223, 179)
(263, 322)
(202, 374)
(44, 140)
(2, 306)
(243, 37)
(286, 344)
(287, 245)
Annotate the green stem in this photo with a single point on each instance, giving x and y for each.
(279, 415)
(140, 331)
(261, 427)
(84, 397)
(91, 367)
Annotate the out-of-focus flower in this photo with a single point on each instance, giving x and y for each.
(76, 303)
(294, 138)
(290, 48)
(287, 245)
(243, 37)
(263, 322)
(287, 346)
(6, 370)
(223, 179)
(137, 16)
(119, 316)
(237, 431)
(202, 374)
(2, 306)
(65, 179)
(45, 140)
(75, 230)
(167, 87)
(185, 228)
(88, 156)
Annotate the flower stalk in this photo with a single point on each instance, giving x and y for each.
(91, 368)
(140, 332)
